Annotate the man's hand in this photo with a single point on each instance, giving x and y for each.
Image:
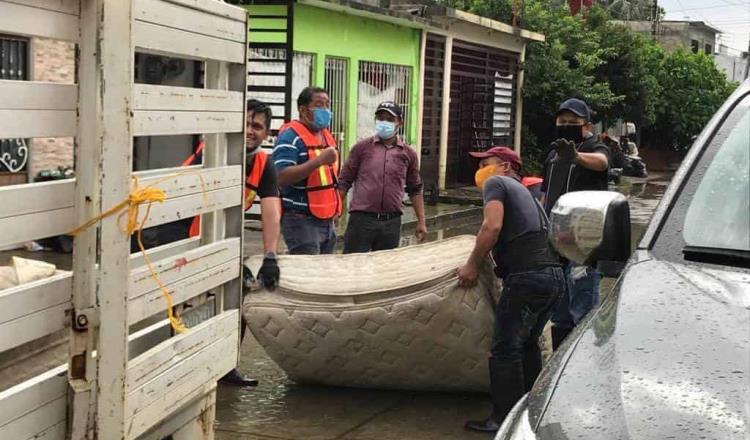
(421, 232)
(328, 156)
(467, 275)
(566, 151)
(269, 273)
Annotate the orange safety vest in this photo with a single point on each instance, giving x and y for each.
(323, 198)
(251, 189)
(252, 182)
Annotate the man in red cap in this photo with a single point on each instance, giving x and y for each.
(514, 230)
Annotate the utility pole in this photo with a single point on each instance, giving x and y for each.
(747, 60)
(655, 19)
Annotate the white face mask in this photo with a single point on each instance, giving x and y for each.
(385, 129)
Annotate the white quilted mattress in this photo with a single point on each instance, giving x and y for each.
(391, 319)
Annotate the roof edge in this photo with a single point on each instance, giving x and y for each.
(456, 14)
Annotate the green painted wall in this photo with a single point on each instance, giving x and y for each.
(336, 34)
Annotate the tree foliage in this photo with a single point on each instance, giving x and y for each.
(621, 74)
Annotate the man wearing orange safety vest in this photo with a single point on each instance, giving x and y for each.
(260, 181)
(306, 158)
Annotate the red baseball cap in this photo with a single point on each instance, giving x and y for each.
(503, 153)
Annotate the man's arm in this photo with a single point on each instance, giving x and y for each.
(593, 161)
(270, 218)
(494, 211)
(417, 201)
(350, 170)
(295, 173)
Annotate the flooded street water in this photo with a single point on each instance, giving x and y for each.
(280, 409)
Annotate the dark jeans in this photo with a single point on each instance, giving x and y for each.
(365, 233)
(307, 235)
(525, 305)
(582, 296)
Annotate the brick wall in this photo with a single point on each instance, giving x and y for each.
(53, 61)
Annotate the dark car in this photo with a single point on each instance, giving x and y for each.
(667, 354)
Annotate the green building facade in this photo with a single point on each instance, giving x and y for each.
(359, 60)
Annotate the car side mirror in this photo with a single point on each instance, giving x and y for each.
(592, 228)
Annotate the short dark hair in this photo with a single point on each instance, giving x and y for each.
(255, 106)
(307, 94)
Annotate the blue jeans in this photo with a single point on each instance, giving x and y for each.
(582, 297)
(525, 305)
(307, 235)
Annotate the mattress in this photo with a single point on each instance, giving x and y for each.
(392, 319)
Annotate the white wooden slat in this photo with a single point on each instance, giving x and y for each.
(32, 21)
(159, 359)
(36, 197)
(178, 182)
(34, 95)
(164, 251)
(37, 123)
(182, 418)
(151, 38)
(215, 8)
(36, 225)
(34, 310)
(35, 407)
(188, 19)
(166, 98)
(181, 379)
(172, 269)
(153, 303)
(156, 123)
(72, 7)
(174, 209)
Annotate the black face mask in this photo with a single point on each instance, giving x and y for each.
(570, 133)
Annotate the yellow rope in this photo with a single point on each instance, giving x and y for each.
(132, 203)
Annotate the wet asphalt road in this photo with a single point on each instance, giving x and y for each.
(280, 409)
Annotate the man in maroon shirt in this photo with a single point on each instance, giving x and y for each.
(380, 168)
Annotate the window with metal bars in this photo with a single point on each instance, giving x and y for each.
(380, 82)
(14, 65)
(267, 69)
(337, 83)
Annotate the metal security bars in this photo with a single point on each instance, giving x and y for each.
(380, 82)
(337, 83)
(14, 65)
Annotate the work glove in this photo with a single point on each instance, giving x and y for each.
(269, 272)
(566, 151)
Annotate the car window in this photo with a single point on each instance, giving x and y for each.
(718, 215)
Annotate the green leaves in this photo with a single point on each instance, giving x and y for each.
(620, 74)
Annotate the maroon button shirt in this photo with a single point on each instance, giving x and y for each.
(379, 175)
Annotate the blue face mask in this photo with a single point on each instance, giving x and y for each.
(321, 118)
(385, 129)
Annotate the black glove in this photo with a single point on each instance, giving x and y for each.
(566, 151)
(269, 273)
(247, 277)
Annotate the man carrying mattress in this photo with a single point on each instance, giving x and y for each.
(514, 231)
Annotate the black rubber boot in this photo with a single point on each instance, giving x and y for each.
(558, 335)
(506, 387)
(234, 377)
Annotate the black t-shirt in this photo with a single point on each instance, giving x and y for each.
(561, 178)
(269, 183)
(521, 212)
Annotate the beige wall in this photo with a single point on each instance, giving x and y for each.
(53, 61)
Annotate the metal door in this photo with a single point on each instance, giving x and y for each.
(337, 85)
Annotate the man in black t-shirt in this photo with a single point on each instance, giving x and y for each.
(577, 162)
(514, 230)
(260, 181)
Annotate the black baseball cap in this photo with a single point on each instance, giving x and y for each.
(576, 106)
(390, 107)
